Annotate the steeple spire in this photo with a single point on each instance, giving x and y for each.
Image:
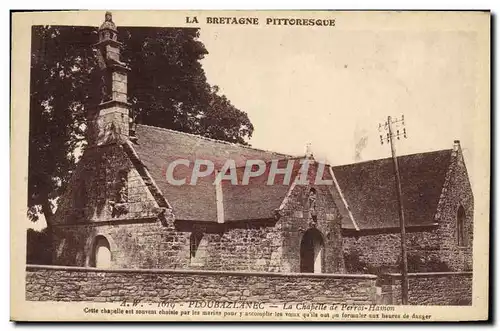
(108, 30)
(111, 122)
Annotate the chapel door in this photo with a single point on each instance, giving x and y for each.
(311, 252)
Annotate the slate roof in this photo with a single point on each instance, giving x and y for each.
(370, 189)
(257, 198)
(158, 147)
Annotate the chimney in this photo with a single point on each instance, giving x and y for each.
(456, 145)
(110, 121)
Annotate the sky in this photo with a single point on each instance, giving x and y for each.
(335, 88)
(332, 88)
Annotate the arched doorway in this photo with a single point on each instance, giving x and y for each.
(101, 254)
(311, 252)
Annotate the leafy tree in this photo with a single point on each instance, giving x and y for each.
(167, 88)
(61, 74)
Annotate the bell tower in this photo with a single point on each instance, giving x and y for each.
(110, 121)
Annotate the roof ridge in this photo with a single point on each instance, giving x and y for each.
(281, 159)
(399, 156)
(213, 140)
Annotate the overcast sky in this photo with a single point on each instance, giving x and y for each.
(333, 88)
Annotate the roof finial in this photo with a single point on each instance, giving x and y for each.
(309, 153)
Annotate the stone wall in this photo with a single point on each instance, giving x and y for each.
(132, 245)
(430, 248)
(379, 252)
(234, 246)
(139, 235)
(51, 283)
(146, 235)
(148, 243)
(246, 248)
(107, 197)
(456, 192)
(105, 187)
(296, 220)
(434, 288)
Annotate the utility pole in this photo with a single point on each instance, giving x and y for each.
(391, 135)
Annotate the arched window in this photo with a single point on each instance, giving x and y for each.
(194, 243)
(461, 237)
(101, 253)
(311, 252)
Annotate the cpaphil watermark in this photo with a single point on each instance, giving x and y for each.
(296, 169)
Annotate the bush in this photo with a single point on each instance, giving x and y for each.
(417, 262)
(424, 262)
(354, 264)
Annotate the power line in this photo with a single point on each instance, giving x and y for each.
(396, 130)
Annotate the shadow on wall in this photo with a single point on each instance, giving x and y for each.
(417, 262)
(39, 247)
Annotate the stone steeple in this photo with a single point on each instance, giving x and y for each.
(110, 121)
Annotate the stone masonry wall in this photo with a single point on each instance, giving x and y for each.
(248, 248)
(296, 220)
(107, 197)
(50, 283)
(380, 252)
(105, 177)
(456, 193)
(151, 244)
(110, 197)
(439, 288)
(237, 247)
(138, 235)
(432, 249)
(132, 245)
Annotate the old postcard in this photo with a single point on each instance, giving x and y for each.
(250, 166)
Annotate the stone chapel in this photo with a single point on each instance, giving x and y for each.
(120, 212)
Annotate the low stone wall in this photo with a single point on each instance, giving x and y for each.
(431, 288)
(55, 283)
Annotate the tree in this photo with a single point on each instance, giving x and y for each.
(167, 87)
(61, 74)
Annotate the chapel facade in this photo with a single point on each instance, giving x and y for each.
(119, 211)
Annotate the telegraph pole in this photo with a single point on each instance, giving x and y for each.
(391, 135)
